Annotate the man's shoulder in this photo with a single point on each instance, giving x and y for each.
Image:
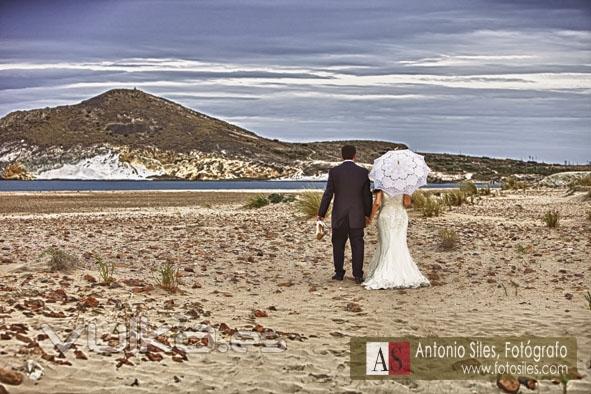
(336, 168)
(348, 170)
(362, 169)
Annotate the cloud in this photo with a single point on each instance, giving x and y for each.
(488, 78)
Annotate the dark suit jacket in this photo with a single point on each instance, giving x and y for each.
(349, 183)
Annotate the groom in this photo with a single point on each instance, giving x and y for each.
(349, 183)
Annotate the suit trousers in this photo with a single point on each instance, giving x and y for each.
(339, 240)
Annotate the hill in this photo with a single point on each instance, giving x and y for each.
(130, 134)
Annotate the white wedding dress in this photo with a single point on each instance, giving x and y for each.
(392, 266)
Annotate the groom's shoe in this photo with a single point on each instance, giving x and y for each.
(338, 277)
(359, 280)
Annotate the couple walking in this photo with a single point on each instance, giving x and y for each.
(355, 207)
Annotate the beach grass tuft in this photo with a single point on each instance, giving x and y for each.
(308, 204)
(431, 207)
(448, 239)
(167, 277)
(418, 199)
(551, 218)
(105, 270)
(455, 198)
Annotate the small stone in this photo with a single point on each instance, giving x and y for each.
(8, 376)
(178, 358)
(80, 355)
(89, 278)
(89, 302)
(154, 356)
(353, 307)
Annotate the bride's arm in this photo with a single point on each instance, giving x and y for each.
(407, 201)
(377, 203)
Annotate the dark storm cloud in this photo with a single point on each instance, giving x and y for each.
(502, 78)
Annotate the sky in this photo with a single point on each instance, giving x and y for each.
(494, 78)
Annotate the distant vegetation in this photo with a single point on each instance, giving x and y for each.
(581, 185)
(261, 200)
(584, 181)
(487, 168)
(276, 198)
(510, 183)
(455, 198)
(468, 188)
(433, 202)
(257, 201)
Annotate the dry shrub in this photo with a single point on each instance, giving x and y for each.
(448, 239)
(60, 260)
(419, 198)
(431, 207)
(511, 183)
(551, 218)
(257, 201)
(468, 188)
(454, 198)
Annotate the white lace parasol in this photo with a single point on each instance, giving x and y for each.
(399, 172)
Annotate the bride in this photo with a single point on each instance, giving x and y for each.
(392, 266)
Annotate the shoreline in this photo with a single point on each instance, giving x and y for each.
(260, 191)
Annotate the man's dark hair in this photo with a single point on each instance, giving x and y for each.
(348, 152)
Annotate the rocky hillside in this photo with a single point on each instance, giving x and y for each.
(129, 134)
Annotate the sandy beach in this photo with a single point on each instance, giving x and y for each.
(263, 271)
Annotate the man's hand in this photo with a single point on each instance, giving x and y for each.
(367, 221)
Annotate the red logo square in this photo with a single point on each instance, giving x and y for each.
(399, 360)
